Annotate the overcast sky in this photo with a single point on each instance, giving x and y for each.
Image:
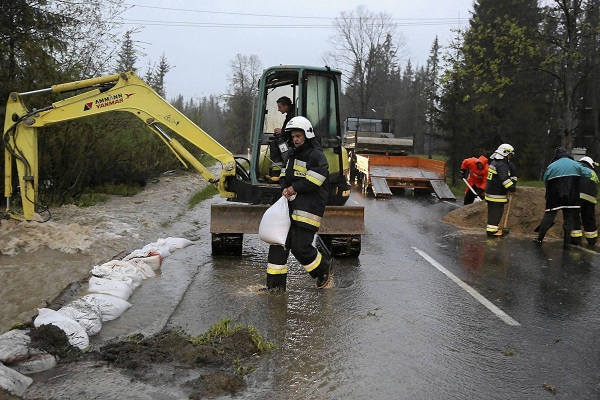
(200, 38)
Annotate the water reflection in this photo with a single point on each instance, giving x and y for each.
(565, 285)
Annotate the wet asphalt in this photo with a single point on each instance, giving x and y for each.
(427, 311)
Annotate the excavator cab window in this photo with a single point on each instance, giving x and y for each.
(321, 109)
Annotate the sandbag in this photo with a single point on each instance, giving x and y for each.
(85, 314)
(165, 247)
(110, 307)
(151, 258)
(275, 223)
(120, 270)
(16, 352)
(140, 263)
(75, 333)
(113, 287)
(12, 381)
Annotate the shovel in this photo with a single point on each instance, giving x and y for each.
(477, 198)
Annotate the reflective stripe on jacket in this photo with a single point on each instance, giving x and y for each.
(307, 172)
(499, 181)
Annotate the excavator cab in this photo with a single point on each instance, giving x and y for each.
(315, 94)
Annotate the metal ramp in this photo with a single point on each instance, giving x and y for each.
(442, 191)
(380, 187)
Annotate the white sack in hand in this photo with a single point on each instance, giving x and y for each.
(275, 223)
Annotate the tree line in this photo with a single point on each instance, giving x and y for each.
(522, 72)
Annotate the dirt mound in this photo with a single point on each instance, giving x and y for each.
(524, 215)
(213, 364)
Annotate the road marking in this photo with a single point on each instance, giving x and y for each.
(488, 304)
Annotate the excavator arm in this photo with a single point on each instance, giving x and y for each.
(119, 92)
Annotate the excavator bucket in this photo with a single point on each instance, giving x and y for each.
(243, 218)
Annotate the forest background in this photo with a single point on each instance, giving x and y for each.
(523, 72)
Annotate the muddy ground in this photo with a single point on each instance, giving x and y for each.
(202, 369)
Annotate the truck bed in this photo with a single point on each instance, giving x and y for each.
(381, 172)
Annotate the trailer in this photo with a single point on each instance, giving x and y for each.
(380, 161)
(380, 173)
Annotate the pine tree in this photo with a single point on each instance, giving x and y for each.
(128, 56)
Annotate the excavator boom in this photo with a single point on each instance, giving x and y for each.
(315, 92)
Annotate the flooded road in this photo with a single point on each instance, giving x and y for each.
(426, 312)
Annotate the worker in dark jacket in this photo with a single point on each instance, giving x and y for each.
(561, 179)
(279, 146)
(587, 215)
(499, 183)
(304, 184)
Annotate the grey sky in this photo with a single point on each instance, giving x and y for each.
(200, 38)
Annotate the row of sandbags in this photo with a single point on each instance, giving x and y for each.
(106, 298)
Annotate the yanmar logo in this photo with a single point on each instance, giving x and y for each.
(107, 101)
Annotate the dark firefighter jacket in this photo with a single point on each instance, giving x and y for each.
(499, 181)
(307, 171)
(562, 181)
(589, 189)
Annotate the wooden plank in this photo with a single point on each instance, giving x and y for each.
(380, 187)
(442, 191)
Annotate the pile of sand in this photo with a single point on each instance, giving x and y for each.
(524, 214)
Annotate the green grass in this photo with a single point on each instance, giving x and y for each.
(226, 328)
(206, 193)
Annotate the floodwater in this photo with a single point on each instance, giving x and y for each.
(401, 321)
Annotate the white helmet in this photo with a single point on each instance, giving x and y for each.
(302, 124)
(505, 149)
(588, 161)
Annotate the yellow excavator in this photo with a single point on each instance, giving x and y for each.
(248, 184)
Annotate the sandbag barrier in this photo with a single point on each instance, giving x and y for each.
(106, 298)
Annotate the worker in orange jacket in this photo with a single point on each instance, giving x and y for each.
(475, 171)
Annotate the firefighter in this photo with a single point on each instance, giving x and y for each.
(304, 182)
(561, 179)
(475, 171)
(498, 184)
(587, 214)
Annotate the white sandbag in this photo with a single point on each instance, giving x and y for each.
(75, 333)
(113, 287)
(177, 243)
(161, 248)
(16, 352)
(12, 381)
(110, 307)
(120, 270)
(165, 247)
(146, 270)
(275, 223)
(13, 344)
(85, 314)
(151, 258)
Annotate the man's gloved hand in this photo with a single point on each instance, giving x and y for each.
(464, 173)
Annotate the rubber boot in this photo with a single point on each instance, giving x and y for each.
(323, 273)
(538, 240)
(591, 242)
(275, 283)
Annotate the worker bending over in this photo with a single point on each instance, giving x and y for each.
(474, 170)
